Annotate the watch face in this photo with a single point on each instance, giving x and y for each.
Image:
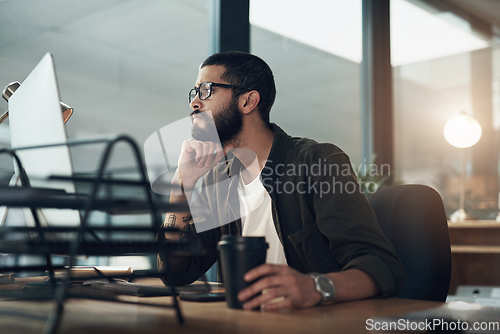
(326, 286)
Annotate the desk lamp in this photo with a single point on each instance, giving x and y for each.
(462, 131)
(12, 87)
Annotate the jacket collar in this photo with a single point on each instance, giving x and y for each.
(278, 149)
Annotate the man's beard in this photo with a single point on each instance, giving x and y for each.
(228, 124)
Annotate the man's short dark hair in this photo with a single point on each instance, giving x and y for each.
(247, 70)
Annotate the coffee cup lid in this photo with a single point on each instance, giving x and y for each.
(238, 240)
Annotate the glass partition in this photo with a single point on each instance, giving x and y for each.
(442, 65)
(314, 50)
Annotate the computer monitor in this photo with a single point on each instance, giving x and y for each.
(35, 119)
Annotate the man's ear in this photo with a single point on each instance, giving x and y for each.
(249, 101)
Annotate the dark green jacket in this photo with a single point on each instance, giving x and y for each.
(320, 213)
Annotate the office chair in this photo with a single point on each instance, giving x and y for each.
(413, 218)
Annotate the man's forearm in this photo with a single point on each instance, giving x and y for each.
(178, 220)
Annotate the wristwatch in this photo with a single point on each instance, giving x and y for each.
(324, 286)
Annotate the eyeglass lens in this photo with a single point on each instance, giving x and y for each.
(203, 92)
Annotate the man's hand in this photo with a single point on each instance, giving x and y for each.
(296, 288)
(196, 159)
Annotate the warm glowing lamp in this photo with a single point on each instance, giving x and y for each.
(462, 131)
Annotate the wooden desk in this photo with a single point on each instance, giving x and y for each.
(98, 317)
(475, 248)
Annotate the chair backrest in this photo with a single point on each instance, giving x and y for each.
(413, 218)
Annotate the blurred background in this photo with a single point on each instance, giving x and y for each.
(126, 66)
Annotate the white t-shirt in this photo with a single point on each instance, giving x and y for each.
(257, 218)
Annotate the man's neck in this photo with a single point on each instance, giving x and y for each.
(254, 146)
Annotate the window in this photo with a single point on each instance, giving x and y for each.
(314, 50)
(442, 66)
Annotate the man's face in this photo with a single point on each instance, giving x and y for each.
(224, 109)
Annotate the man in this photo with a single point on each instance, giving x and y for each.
(310, 229)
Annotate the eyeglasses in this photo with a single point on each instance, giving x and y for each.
(204, 91)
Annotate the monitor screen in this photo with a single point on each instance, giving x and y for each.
(36, 119)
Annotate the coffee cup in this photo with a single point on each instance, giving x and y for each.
(238, 255)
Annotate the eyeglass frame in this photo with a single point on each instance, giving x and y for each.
(211, 84)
